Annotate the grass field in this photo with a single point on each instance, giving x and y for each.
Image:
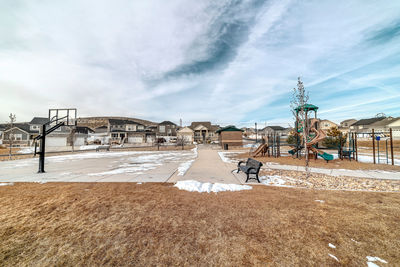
(118, 224)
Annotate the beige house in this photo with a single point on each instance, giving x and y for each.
(384, 125)
(204, 131)
(326, 124)
(186, 134)
(345, 125)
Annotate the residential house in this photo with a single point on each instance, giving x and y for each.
(128, 131)
(344, 126)
(21, 135)
(2, 128)
(166, 128)
(326, 125)
(383, 127)
(364, 127)
(247, 132)
(204, 131)
(230, 136)
(278, 130)
(186, 134)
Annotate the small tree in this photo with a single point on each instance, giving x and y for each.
(299, 100)
(12, 118)
(334, 138)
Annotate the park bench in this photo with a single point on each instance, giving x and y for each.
(252, 167)
(104, 147)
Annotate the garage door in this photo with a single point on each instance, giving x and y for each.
(136, 139)
(56, 141)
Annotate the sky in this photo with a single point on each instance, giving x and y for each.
(229, 62)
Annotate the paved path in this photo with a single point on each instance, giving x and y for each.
(208, 167)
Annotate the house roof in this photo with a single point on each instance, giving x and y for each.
(206, 124)
(385, 121)
(24, 127)
(329, 121)
(166, 123)
(275, 128)
(230, 128)
(39, 120)
(123, 122)
(368, 121)
(349, 120)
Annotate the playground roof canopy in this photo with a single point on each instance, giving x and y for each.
(230, 128)
(307, 107)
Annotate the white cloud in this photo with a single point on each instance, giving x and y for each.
(115, 58)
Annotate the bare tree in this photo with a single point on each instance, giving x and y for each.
(72, 137)
(12, 118)
(299, 100)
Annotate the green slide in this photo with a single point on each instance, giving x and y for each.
(326, 156)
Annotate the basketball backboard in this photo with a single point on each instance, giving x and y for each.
(66, 115)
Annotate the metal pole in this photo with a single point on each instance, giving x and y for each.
(355, 142)
(391, 146)
(378, 152)
(387, 154)
(42, 149)
(256, 130)
(373, 144)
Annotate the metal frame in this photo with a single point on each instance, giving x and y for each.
(44, 132)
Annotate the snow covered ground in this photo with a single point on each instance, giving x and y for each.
(224, 158)
(123, 166)
(195, 186)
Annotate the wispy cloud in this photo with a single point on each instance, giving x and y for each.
(225, 61)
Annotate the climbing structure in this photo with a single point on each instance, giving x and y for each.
(314, 136)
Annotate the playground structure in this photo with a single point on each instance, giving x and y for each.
(313, 137)
(57, 118)
(270, 146)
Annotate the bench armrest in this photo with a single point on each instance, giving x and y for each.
(240, 162)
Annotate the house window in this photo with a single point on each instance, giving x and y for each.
(18, 137)
(34, 127)
(169, 131)
(162, 129)
(114, 135)
(140, 127)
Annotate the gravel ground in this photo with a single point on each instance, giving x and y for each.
(321, 181)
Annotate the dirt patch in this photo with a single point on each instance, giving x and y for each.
(120, 224)
(320, 163)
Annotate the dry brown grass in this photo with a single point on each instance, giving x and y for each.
(83, 224)
(320, 163)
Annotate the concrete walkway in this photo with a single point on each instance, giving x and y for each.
(208, 167)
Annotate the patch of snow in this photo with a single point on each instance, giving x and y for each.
(371, 264)
(223, 157)
(27, 150)
(5, 184)
(195, 186)
(321, 201)
(251, 145)
(331, 245)
(184, 166)
(133, 169)
(40, 182)
(370, 258)
(139, 183)
(354, 240)
(333, 257)
(182, 169)
(273, 180)
(88, 147)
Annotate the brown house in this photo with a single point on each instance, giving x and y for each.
(230, 136)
